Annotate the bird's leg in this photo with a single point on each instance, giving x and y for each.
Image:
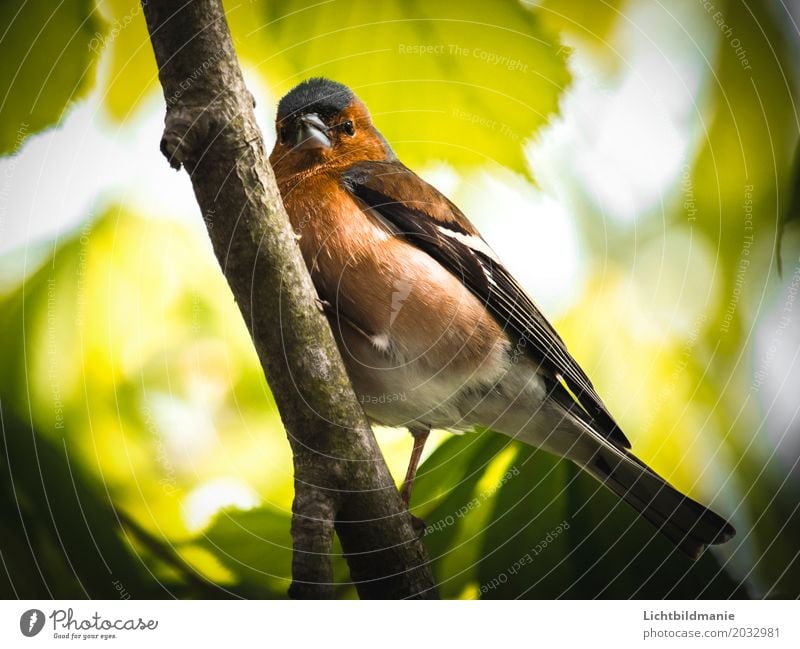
(420, 435)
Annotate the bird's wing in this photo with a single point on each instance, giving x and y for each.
(419, 213)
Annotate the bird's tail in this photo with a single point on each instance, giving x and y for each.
(685, 522)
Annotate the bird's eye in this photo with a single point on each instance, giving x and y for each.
(348, 128)
(283, 134)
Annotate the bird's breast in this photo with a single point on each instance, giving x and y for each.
(413, 337)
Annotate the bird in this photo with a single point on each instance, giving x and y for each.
(434, 331)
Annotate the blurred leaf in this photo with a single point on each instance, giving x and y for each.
(462, 82)
(616, 554)
(590, 22)
(256, 546)
(49, 51)
(525, 549)
(445, 498)
(556, 532)
(132, 73)
(792, 211)
(741, 206)
(753, 134)
(60, 538)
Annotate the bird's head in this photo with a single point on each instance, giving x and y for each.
(322, 123)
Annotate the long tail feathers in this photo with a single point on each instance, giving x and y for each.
(685, 522)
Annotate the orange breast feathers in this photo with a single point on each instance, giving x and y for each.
(396, 294)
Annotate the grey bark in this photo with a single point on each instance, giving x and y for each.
(341, 479)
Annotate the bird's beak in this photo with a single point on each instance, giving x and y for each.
(311, 133)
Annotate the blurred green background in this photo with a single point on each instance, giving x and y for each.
(632, 161)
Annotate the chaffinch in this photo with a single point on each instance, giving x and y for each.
(433, 330)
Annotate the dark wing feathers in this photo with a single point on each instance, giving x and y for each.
(428, 220)
(396, 183)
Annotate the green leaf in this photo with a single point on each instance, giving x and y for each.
(132, 72)
(590, 22)
(552, 532)
(256, 546)
(791, 212)
(525, 550)
(616, 554)
(49, 51)
(61, 535)
(463, 82)
(753, 136)
(446, 496)
(557, 533)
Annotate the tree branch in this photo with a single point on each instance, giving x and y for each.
(341, 479)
